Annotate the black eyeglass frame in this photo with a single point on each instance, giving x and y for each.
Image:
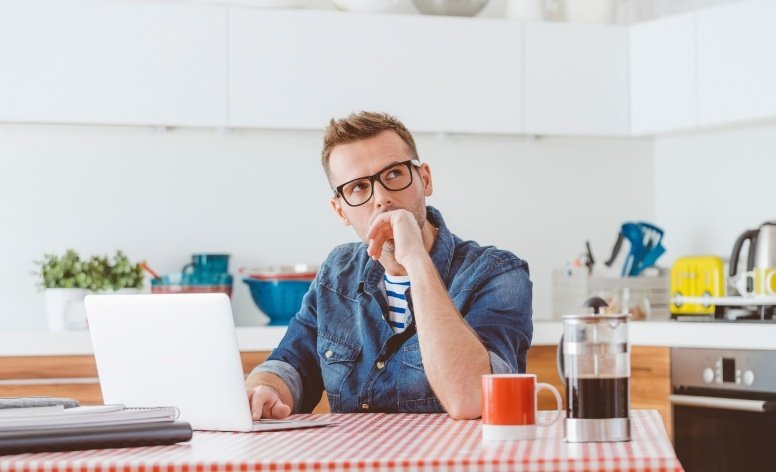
(376, 177)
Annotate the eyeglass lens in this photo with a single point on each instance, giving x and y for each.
(394, 178)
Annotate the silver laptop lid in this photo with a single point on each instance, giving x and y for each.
(171, 350)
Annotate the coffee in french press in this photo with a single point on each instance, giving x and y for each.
(594, 361)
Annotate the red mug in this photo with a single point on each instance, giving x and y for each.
(509, 406)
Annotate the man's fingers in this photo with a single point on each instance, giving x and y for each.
(280, 410)
(260, 400)
(375, 249)
(377, 235)
(276, 409)
(382, 223)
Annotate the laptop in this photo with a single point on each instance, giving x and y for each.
(175, 350)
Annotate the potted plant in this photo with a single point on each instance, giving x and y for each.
(67, 279)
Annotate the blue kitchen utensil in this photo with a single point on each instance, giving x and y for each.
(645, 247)
(653, 247)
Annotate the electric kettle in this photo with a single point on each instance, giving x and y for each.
(761, 252)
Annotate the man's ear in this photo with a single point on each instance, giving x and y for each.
(425, 175)
(335, 205)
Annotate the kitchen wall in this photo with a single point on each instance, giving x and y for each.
(711, 186)
(161, 195)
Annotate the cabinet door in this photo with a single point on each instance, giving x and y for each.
(651, 381)
(56, 376)
(737, 62)
(576, 79)
(134, 63)
(662, 60)
(298, 69)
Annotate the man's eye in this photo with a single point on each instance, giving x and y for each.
(393, 173)
(356, 188)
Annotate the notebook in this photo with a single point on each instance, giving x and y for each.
(97, 415)
(175, 350)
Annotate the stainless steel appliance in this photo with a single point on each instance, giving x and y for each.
(761, 255)
(594, 361)
(724, 409)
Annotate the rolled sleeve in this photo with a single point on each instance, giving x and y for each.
(287, 374)
(295, 360)
(500, 313)
(498, 365)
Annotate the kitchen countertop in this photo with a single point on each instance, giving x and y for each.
(265, 338)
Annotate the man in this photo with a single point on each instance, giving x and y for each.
(411, 319)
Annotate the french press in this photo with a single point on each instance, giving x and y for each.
(594, 363)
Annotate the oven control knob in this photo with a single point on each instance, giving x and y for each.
(748, 378)
(708, 375)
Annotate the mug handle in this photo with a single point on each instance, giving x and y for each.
(558, 401)
(744, 283)
(769, 282)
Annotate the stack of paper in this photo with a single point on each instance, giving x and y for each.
(56, 428)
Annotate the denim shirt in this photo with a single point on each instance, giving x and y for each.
(340, 340)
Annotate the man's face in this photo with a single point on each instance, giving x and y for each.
(367, 157)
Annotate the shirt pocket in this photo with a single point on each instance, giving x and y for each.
(414, 392)
(337, 359)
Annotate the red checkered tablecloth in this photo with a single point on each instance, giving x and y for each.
(374, 442)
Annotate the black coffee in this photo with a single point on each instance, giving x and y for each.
(590, 398)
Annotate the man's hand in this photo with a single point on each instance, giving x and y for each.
(266, 403)
(399, 226)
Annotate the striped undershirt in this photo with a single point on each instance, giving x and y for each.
(395, 289)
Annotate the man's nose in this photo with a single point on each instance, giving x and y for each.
(383, 197)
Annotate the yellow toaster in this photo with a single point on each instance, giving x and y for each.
(696, 276)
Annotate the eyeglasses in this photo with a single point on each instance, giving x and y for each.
(396, 177)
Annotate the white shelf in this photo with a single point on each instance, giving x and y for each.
(727, 301)
(740, 335)
(78, 343)
(685, 334)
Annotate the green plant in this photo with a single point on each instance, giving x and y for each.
(97, 273)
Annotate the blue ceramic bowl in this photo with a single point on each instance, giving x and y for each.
(278, 299)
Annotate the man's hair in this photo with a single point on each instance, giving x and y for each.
(358, 126)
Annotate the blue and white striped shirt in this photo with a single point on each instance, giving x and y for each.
(395, 290)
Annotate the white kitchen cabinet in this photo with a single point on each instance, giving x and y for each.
(663, 75)
(576, 79)
(298, 69)
(101, 62)
(737, 62)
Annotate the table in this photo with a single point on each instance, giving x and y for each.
(374, 442)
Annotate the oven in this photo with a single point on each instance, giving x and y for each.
(724, 409)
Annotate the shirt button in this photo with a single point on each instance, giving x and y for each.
(328, 354)
(365, 406)
(380, 365)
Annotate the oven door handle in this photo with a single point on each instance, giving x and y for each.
(757, 406)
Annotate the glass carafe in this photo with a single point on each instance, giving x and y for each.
(594, 359)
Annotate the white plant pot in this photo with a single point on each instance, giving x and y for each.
(65, 307)
(589, 11)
